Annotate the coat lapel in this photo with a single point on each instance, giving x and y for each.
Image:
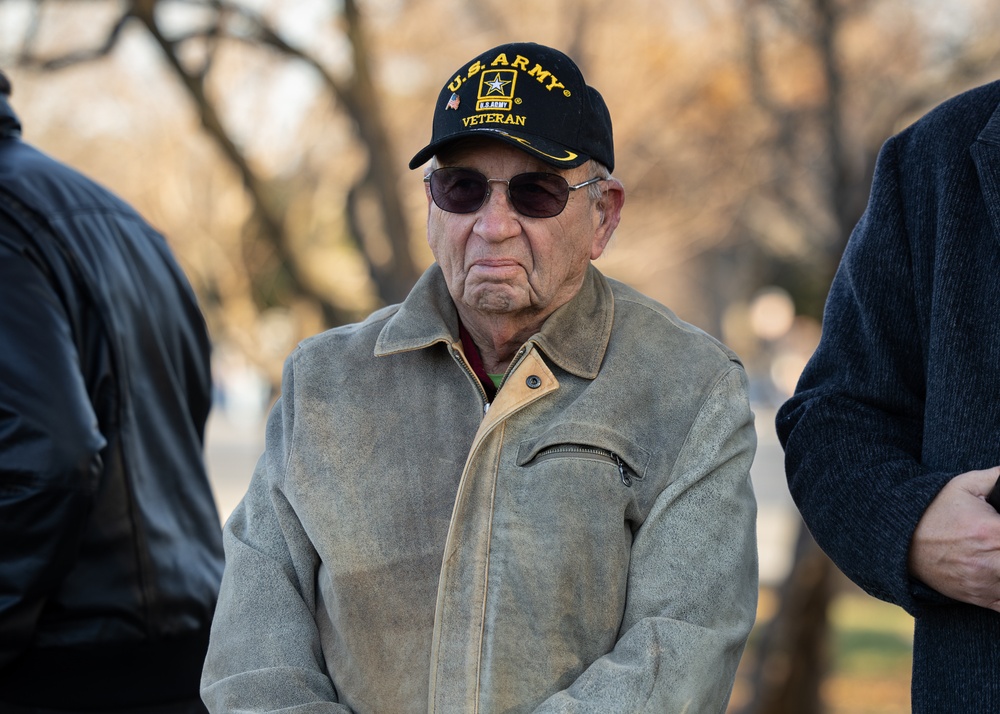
(986, 155)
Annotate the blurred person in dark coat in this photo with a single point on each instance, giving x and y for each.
(110, 542)
(892, 439)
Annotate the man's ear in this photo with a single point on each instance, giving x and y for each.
(609, 211)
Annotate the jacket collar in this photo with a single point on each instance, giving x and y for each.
(986, 155)
(10, 125)
(574, 337)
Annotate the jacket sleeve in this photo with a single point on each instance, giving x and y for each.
(49, 443)
(265, 653)
(853, 431)
(692, 579)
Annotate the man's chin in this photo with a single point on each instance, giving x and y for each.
(498, 300)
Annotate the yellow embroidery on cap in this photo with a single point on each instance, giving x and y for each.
(568, 157)
(496, 90)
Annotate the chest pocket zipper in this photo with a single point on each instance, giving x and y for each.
(626, 474)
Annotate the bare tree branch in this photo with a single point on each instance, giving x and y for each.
(266, 212)
(359, 99)
(28, 59)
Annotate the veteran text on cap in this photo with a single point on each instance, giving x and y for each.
(528, 95)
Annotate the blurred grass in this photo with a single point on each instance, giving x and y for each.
(871, 645)
(872, 650)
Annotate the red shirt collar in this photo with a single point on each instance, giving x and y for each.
(476, 361)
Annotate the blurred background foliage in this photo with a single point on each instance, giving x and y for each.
(268, 139)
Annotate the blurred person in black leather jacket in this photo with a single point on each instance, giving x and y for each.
(110, 544)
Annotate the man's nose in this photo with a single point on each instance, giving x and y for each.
(497, 218)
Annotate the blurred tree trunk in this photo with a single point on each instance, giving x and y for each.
(382, 234)
(380, 184)
(268, 224)
(376, 220)
(789, 658)
(274, 249)
(790, 655)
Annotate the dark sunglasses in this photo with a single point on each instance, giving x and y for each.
(536, 195)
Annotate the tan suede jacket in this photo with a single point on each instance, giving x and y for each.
(584, 543)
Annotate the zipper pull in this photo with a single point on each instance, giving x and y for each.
(622, 471)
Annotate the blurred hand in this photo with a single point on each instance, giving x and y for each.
(956, 545)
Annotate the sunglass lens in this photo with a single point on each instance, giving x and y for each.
(458, 190)
(539, 195)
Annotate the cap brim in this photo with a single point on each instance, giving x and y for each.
(550, 152)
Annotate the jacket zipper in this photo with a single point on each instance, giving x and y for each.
(605, 454)
(513, 364)
(457, 356)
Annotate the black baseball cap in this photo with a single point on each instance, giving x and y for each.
(530, 96)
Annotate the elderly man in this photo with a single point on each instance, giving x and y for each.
(526, 487)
